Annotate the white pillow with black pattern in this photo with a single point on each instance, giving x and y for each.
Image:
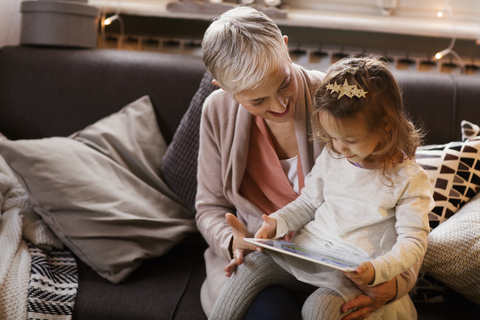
(454, 173)
(469, 130)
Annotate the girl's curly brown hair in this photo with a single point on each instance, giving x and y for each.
(381, 111)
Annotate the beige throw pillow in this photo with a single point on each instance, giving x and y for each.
(100, 192)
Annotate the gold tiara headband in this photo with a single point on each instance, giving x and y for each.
(346, 89)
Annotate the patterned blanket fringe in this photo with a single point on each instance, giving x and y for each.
(53, 284)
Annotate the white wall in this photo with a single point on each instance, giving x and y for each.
(418, 17)
(10, 20)
(463, 9)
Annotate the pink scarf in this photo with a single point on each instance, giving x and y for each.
(265, 184)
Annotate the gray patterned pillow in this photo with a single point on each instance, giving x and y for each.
(179, 165)
(453, 254)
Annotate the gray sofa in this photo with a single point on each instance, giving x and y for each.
(47, 92)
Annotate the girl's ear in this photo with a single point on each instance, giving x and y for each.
(387, 124)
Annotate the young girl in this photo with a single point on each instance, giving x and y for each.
(365, 199)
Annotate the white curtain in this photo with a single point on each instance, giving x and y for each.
(10, 21)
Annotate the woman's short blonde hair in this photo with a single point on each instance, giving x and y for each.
(241, 48)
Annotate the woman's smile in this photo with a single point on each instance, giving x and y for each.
(279, 115)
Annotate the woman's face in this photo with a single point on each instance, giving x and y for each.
(275, 99)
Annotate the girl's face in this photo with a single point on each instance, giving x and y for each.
(275, 99)
(350, 138)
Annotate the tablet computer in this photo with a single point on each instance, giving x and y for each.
(301, 252)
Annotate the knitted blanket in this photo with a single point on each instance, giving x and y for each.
(38, 280)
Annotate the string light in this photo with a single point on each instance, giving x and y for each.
(439, 55)
(108, 21)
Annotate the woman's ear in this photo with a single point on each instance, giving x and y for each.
(285, 39)
(215, 83)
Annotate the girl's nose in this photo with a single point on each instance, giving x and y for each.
(341, 146)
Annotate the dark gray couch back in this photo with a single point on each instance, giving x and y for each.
(441, 102)
(55, 92)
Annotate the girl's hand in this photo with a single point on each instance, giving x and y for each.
(268, 229)
(364, 274)
(240, 248)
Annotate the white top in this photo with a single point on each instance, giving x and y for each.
(347, 208)
(290, 168)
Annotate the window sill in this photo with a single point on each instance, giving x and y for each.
(434, 27)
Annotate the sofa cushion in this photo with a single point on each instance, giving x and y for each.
(179, 166)
(454, 172)
(100, 192)
(163, 288)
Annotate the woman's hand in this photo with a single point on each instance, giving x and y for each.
(374, 298)
(268, 229)
(240, 248)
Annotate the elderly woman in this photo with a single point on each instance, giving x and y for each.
(255, 150)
